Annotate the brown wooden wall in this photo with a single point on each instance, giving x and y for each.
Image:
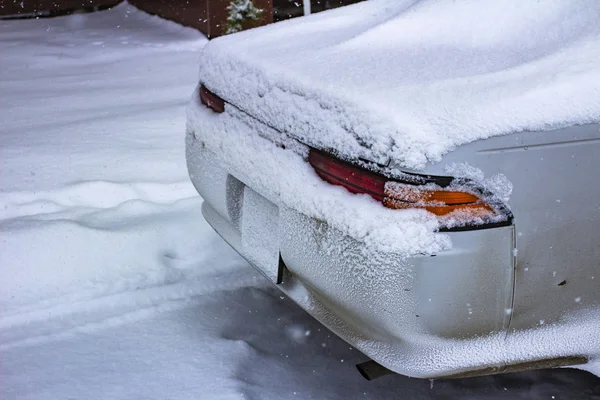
(208, 16)
(192, 13)
(16, 7)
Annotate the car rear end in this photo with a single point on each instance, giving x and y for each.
(415, 314)
(427, 194)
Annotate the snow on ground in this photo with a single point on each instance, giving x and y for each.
(112, 286)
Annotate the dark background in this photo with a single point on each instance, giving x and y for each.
(208, 16)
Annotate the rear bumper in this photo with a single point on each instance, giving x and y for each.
(416, 316)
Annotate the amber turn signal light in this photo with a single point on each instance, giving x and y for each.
(437, 201)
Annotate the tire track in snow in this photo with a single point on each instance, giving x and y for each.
(91, 195)
(106, 249)
(144, 249)
(68, 320)
(192, 275)
(124, 216)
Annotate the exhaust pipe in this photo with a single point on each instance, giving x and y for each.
(371, 370)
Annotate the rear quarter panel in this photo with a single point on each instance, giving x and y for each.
(556, 204)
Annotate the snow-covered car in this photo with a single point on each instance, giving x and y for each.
(421, 177)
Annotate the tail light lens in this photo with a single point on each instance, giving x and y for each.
(459, 206)
(211, 100)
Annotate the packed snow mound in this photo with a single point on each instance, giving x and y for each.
(411, 80)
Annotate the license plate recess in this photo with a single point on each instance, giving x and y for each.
(260, 234)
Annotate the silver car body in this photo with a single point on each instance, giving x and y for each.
(518, 296)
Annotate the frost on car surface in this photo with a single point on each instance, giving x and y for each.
(358, 137)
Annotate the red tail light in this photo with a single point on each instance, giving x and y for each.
(467, 205)
(356, 180)
(211, 100)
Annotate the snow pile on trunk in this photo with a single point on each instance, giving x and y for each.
(411, 80)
